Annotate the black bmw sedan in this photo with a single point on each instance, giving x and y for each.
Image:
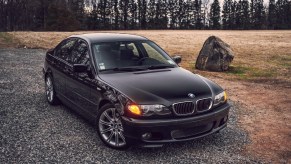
(132, 90)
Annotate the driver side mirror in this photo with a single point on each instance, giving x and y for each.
(80, 68)
(177, 59)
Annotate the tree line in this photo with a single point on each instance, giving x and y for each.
(70, 15)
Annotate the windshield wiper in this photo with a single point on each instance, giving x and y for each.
(130, 69)
(124, 69)
(160, 66)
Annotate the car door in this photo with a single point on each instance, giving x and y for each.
(61, 64)
(80, 85)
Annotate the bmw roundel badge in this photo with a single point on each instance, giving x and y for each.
(191, 95)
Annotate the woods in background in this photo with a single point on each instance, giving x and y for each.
(70, 15)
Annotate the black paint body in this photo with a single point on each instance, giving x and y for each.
(85, 93)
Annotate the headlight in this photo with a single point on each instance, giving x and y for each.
(220, 98)
(148, 110)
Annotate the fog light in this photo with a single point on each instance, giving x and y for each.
(146, 136)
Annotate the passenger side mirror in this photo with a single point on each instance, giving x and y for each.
(177, 59)
(80, 68)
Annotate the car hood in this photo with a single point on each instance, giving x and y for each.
(165, 86)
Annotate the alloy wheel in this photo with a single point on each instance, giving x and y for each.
(111, 129)
(49, 89)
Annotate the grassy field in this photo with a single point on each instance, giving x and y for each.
(263, 56)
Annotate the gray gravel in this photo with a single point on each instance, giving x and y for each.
(31, 131)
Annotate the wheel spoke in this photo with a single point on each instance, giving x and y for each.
(116, 138)
(107, 116)
(48, 83)
(105, 123)
(121, 136)
(113, 113)
(51, 95)
(106, 130)
(110, 136)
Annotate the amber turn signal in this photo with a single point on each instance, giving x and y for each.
(134, 109)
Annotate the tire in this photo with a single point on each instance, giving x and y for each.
(50, 91)
(110, 128)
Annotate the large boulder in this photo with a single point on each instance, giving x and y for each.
(215, 55)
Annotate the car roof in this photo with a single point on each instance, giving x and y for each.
(109, 37)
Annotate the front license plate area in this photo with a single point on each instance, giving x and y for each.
(191, 132)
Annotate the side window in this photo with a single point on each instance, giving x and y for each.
(64, 49)
(80, 53)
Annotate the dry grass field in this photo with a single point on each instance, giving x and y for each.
(259, 79)
(259, 55)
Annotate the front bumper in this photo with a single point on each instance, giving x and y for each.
(151, 133)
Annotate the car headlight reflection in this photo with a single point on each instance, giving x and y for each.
(148, 110)
(220, 98)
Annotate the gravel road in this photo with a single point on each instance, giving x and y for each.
(32, 131)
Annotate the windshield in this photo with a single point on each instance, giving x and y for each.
(126, 56)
